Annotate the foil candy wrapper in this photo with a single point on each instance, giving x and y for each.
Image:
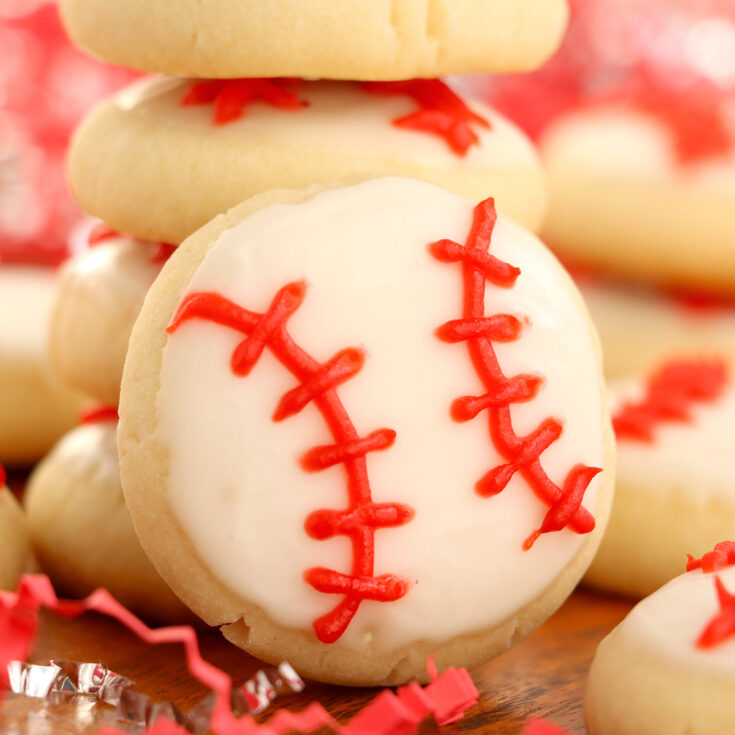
(93, 682)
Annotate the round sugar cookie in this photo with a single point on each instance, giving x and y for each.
(351, 39)
(634, 195)
(319, 450)
(99, 296)
(674, 491)
(641, 327)
(81, 530)
(669, 667)
(15, 549)
(35, 408)
(152, 167)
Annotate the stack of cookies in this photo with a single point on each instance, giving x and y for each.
(338, 395)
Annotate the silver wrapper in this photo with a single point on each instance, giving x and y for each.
(90, 684)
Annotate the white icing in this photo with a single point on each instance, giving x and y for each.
(235, 483)
(624, 141)
(340, 116)
(669, 622)
(26, 298)
(693, 457)
(92, 450)
(117, 265)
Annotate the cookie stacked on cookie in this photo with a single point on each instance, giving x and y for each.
(339, 396)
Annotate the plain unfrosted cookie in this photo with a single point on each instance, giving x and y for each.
(81, 530)
(674, 487)
(626, 200)
(669, 667)
(350, 39)
(98, 299)
(35, 407)
(642, 327)
(151, 167)
(305, 452)
(15, 547)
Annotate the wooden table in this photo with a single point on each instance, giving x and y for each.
(542, 676)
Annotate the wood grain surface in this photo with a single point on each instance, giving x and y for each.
(543, 676)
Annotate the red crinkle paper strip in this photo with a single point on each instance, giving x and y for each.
(231, 96)
(721, 557)
(442, 112)
(722, 626)
(671, 393)
(479, 332)
(318, 384)
(448, 696)
(541, 727)
(101, 233)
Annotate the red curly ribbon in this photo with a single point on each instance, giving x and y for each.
(443, 113)
(98, 415)
(722, 556)
(231, 96)
(447, 697)
(671, 393)
(722, 626)
(318, 385)
(478, 331)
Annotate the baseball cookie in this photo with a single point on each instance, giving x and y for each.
(81, 530)
(646, 190)
(640, 327)
(351, 39)
(98, 299)
(674, 489)
(15, 547)
(352, 432)
(165, 156)
(669, 667)
(35, 408)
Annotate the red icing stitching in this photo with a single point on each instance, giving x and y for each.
(670, 394)
(542, 727)
(478, 331)
(3, 477)
(722, 626)
(98, 415)
(318, 384)
(442, 112)
(722, 556)
(231, 96)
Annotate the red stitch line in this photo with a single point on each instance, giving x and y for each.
(318, 384)
(722, 556)
(670, 394)
(3, 477)
(479, 331)
(722, 626)
(231, 96)
(98, 414)
(442, 112)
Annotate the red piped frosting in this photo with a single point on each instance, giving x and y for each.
(443, 113)
(721, 557)
(318, 384)
(479, 332)
(3, 477)
(98, 415)
(671, 393)
(722, 626)
(231, 96)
